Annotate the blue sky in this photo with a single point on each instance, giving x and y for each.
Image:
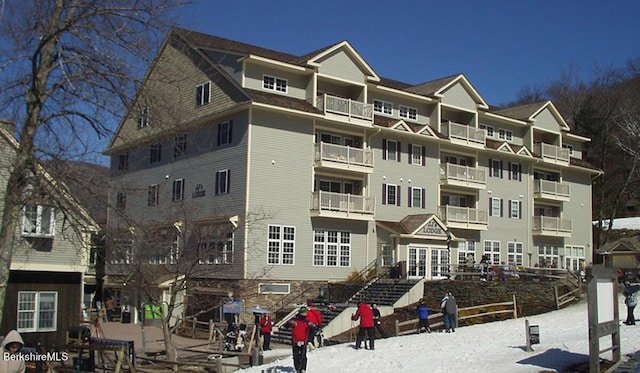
(502, 46)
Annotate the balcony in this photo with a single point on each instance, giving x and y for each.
(552, 153)
(342, 206)
(463, 217)
(464, 134)
(551, 190)
(343, 157)
(552, 227)
(463, 176)
(345, 107)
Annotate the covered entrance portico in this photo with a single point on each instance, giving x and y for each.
(422, 242)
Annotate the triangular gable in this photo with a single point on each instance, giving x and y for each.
(461, 79)
(524, 151)
(505, 147)
(428, 131)
(554, 112)
(433, 228)
(364, 66)
(401, 125)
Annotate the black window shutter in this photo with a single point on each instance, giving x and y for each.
(219, 135)
(510, 209)
(384, 193)
(399, 150)
(490, 206)
(230, 131)
(501, 207)
(398, 189)
(509, 171)
(384, 148)
(490, 167)
(228, 181)
(424, 198)
(424, 156)
(217, 182)
(501, 167)
(520, 172)
(520, 209)
(410, 151)
(409, 193)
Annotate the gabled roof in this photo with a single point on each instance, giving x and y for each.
(345, 45)
(627, 245)
(438, 87)
(412, 225)
(529, 112)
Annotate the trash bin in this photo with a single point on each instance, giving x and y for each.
(126, 317)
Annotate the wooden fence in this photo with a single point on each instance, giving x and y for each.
(466, 313)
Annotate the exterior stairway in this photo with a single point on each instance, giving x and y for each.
(383, 292)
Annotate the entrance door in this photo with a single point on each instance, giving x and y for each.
(439, 263)
(418, 263)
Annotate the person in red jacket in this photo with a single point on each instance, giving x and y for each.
(266, 327)
(315, 316)
(365, 314)
(300, 326)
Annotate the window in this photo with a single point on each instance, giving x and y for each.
(274, 288)
(216, 250)
(153, 194)
(417, 197)
(383, 107)
(37, 311)
(156, 153)
(505, 134)
(391, 150)
(488, 129)
(515, 171)
(408, 112)
(274, 84)
(569, 147)
(122, 251)
(143, 117)
(390, 194)
(495, 206)
(123, 161)
(121, 200)
(180, 146)
(331, 248)
(515, 253)
(465, 248)
(495, 168)
(574, 258)
(223, 182)
(203, 94)
(178, 190)
(281, 244)
(38, 221)
(548, 256)
(492, 250)
(386, 256)
(417, 154)
(224, 132)
(515, 209)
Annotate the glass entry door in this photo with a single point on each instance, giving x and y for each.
(418, 263)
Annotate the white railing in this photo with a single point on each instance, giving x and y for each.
(463, 132)
(344, 154)
(463, 173)
(548, 151)
(551, 224)
(345, 106)
(349, 203)
(465, 215)
(553, 188)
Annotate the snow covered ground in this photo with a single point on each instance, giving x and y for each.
(493, 347)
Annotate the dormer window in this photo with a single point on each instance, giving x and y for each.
(505, 134)
(408, 112)
(203, 94)
(274, 84)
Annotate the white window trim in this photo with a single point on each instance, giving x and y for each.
(395, 199)
(493, 252)
(386, 107)
(281, 244)
(200, 90)
(223, 181)
(407, 110)
(277, 82)
(143, 117)
(495, 200)
(180, 195)
(416, 149)
(517, 205)
(515, 249)
(339, 245)
(394, 153)
(36, 312)
(39, 222)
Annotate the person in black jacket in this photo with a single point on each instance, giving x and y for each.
(377, 322)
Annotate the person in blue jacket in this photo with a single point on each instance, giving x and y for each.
(423, 316)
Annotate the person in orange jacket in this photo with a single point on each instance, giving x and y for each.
(266, 327)
(365, 314)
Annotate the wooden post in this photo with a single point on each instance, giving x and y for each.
(219, 364)
(193, 327)
(397, 328)
(515, 307)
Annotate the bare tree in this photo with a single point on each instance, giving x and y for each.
(69, 68)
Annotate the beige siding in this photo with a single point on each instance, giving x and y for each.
(297, 84)
(545, 120)
(459, 97)
(341, 65)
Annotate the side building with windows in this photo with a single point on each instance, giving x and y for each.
(51, 269)
(286, 172)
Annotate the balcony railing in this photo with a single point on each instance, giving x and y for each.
(463, 173)
(551, 152)
(345, 106)
(340, 202)
(344, 154)
(462, 132)
(465, 215)
(552, 189)
(552, 225)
